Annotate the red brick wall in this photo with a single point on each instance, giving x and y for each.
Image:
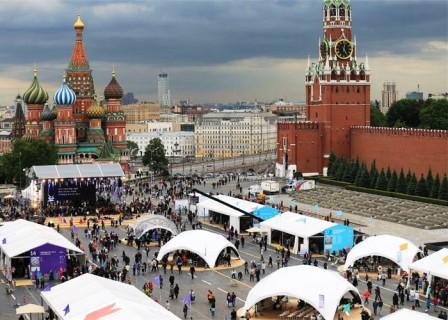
(396, 148)
(304, 145)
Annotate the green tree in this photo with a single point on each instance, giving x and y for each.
(392, 185)
(388, 173)
(348, 172)
(365, 178)
(402, 185)
(443, 191)
(373, 174)
(355, 169)
(377, 118)
(359, 175)
(421, 189)
(341, 169)
(405, 111)
(435, 187)
(412, 186)
(381, 182)
(409, 177)
(434, 114)
(429, 182)
(133, 148)
(24, 155)
(154, 157)
(332, 162)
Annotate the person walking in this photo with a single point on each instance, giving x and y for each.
(185, 311)
(176, 291)
(395, 301)
(192, 271)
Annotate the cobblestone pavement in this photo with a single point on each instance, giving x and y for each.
(407, 212)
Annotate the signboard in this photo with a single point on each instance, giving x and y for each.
(70, 189)
(338, 237)
(48, 258)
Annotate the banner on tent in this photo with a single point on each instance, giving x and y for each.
(338, 237)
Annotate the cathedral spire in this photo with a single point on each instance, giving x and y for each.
(79, 58)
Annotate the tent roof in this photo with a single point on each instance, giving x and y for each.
(435, 264)
(406, 314)
(309, 282)
(216, 206)
(78, 171)
(149, 222)
(206, 244)
(297, 224)
(266, 212)
(30, 308)
(89, 293)
(22, 236)
(396, 249)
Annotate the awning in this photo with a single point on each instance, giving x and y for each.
(435, 264)
(96, 170)
(29, 309)
(266, 212)
(406, 314)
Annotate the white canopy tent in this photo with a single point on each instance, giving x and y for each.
(297, 225)
(95, 170)
(20, 236)
(206, 244)
(406, 314)
(149, 222)
(396, 249)
(436, 264)
(234, 215)
(89, 295)
(307, 283)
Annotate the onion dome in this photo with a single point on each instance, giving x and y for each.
(35, 93)
(95, 111)
(64, 95)
(113, 90)
(78, 23)
(48, 114)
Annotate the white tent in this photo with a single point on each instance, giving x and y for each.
(206, 244)
(322, 289)
(21, 236)
(435, 264)
(396, 249)
(149, 222)
(300, 226)
(92, 297)
(234, 215)
(406, 314)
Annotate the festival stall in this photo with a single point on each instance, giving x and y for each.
(398, 250)
(406, 314)
(307, 234)
(152, 225)
(314, 290)
(207, 245)
(30, 247)
(221, 213)
(92, 297)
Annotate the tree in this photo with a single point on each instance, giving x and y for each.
(154, 157)
(332, 162)
(401, 183)
(429, 182)
(434, 114)
(348, 172)
(373, 173)
(377, 118)
(381, 182)
(133, 148)
(392, 185)
(341, 169)
(422, 188)
(388, 173)
(405, 111)
(355, 169)
(435, 187)
(24, 155)
(412, 186)
(443, 191)
(409, 177)
(364, 181)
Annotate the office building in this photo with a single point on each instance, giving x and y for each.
(163, 90)
(176, 144)
(388, 96)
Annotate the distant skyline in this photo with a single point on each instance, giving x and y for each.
(218, 50)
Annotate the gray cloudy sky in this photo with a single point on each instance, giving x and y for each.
(218, 50)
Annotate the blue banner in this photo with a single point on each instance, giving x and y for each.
(338, 237)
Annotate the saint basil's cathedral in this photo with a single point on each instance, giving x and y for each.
(81, 129)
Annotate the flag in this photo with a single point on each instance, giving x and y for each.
(4, 241)
(187, 299)
(404, 246)
(47, 287)
(399, 256)
(338, 213)
(321, 301)
(347, 308)
(66, 310)
(157, 280)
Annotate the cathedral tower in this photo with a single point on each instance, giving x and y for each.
(35, 98)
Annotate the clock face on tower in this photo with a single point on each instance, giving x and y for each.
(344, 49)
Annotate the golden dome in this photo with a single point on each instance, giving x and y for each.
(78, 23)
(95, 111)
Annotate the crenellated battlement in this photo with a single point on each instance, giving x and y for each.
(286, 125)
(401, 131)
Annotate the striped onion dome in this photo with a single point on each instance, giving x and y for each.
(35, 93)
(64, 95)
(48, 114)
(95, 111)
